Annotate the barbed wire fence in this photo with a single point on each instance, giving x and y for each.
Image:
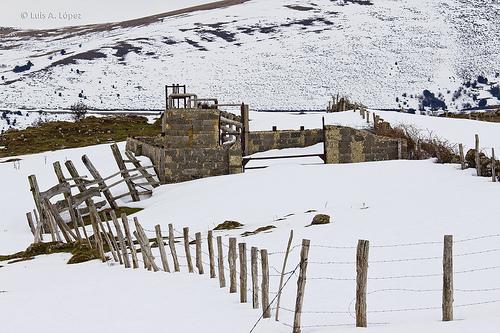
(357, 308)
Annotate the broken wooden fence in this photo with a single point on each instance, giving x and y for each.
(56, 217)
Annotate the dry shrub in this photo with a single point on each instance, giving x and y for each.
(421, 144)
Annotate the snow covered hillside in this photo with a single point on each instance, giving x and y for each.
(403, 207)
(280, 54)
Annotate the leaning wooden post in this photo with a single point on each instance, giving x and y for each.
(145, 243)
(97, 236)
(161, 247)
(199, 261)
(255, 280)
(108, 240)
(171, 244)
(82, 224)
(448, 278)
(493, 166)
(35, 191)
(133, 252)
(121, 239)
(31, 224)
(97, 176)
(211, 255)
(220, 262)
(186, 249)
(68, 197)
(301, 285)
(124, 172)
(232, 265)
(478, 157)
(266, 308)
(242, 247)
(462, 158)
(290, 239)
(367, 116)
(361, 282)
(114, 242)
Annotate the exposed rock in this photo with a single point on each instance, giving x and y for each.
(258, 230)
(229, 225)
(485, 162)
(320, 219)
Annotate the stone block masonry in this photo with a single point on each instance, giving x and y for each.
(349, 145)
(174, 165)
(188, 128)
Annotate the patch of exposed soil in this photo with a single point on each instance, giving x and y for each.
(88, 55)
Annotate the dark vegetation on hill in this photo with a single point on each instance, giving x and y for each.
(60, 134)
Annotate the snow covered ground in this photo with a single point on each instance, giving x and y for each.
(280, 54)
(403, 207)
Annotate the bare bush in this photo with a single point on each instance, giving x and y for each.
(79, 110)
(421, 145)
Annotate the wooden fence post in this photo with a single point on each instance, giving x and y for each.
(114, 242)
(82, 224)
(462, 158)
(220, 262)
(68, 197)
(29, 217)
(186, 249)
(210, 243)
(199, 261)
(242, 247)
(97, 176)
(161, 247)
(361, 282)
(301, 285)
(171, 244)
(478, 157)
(282, 277)
(448, 278)
(100, 223)
(38, 228)
(493, 166)
(245, 113)
(121, 239)
(97, 235)
(266, 308)
(232, 265)
(124, 172)
(133, 252)
(255, 280)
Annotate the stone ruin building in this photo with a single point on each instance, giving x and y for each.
(199, 140)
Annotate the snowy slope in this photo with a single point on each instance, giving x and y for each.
(280, 54)
(375, 201)
(403, 207)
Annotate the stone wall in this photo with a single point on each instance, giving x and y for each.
(267, 140)
(188, 128)
(349, 145)
(174, 165)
